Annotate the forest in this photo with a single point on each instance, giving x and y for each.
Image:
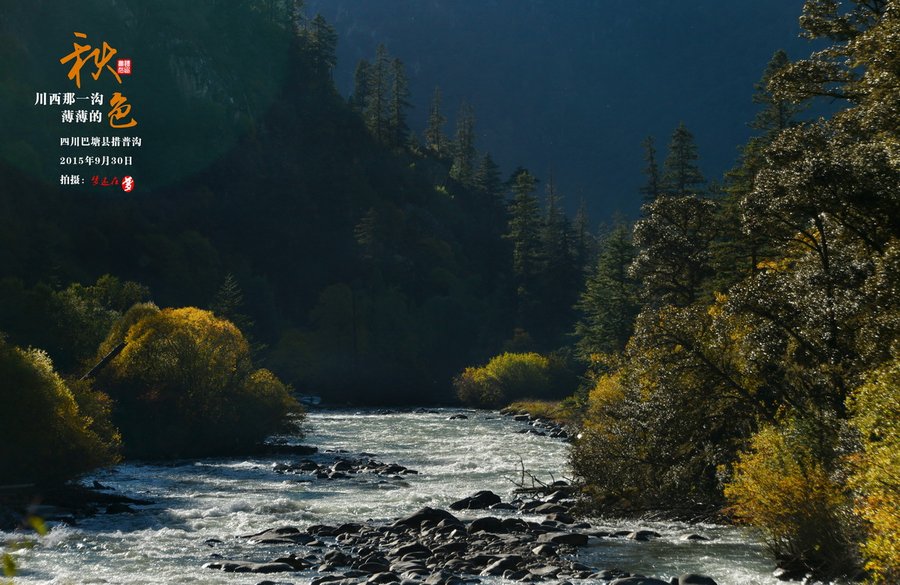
(730, 353)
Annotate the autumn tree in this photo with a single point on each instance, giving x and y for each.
(184, 384)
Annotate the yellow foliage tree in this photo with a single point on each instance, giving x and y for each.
(781, 487)
(46, 436)
(875, 408)
(505, 378)
(184, 385)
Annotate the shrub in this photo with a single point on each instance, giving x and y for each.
(875, 408)
(184, 385)
(506, 377)
(782, 486)
(46, 436)
(561, 411)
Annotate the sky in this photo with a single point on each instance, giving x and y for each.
(570, 88)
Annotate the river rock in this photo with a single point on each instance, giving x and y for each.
(545, 550)
(381, 578)
(248, 567)
(570, 538)
(508, 562)
(296, 563)
(694, 537)
(561, 517)
(427, 514)
(546, 571)
(326, 579)
(443, 578)
(695, 579)
(282, 535)
(411, 549)
(639, 581)
(477, 501)
(458, 417)
(549, 508)
(487, 524)
(643, 535)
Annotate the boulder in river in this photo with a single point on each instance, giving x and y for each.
(570, 538)
(487, 524)
(643, 535)
(427, 514)
(477, 501)
(639, 581)
(248, 567)
(695, 579)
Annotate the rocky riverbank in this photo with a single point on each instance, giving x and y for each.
(435, 547)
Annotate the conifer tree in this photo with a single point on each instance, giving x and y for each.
(739, 254)
(524, 227)
(681, 174)
(322, 42)
(435, 140)
(228, 302)
(609, 303)
(377, 95)
(359, 97)
(559, 276)
(487, 178)
(653, 187)
(397, 128)
(583, 241)
(464, 152)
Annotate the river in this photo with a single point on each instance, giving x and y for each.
(196, 501)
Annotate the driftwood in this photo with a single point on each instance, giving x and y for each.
(103, 363)
(536, 487)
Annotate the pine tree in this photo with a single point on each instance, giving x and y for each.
(609, 303)
(359, 97)
(435, 140)
(682, 176)
(777, 113)
(397, 128)
(524, 230)
(487, 178)
(554, 232)
(559, 277)
(228, 302)
(739, 254)
(464, 152)
(653, 187)
(322, 42)
(298, 17)
(377, 95)
(583, 241)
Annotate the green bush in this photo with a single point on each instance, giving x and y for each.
(782, 486)
(47, 437)
(506, 377)
(184, 385)
(875, 408)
